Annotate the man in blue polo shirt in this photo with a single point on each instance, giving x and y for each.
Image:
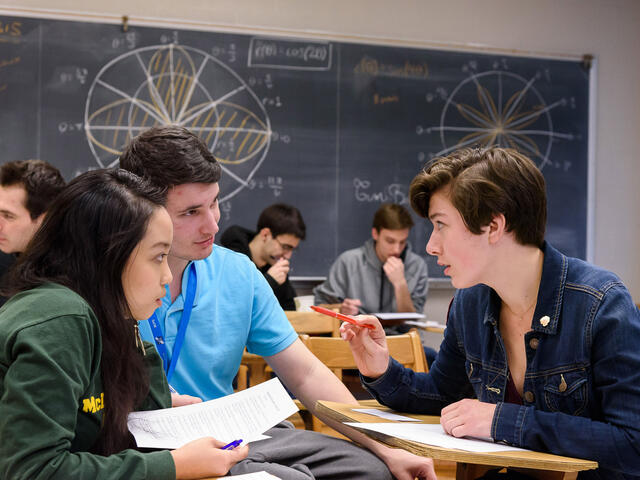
(218, 303)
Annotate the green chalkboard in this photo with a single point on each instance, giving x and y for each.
(335, 128)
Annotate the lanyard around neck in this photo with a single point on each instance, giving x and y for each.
(158, 337)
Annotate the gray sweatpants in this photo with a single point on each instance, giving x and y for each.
(293, 454)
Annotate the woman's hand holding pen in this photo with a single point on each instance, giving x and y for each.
(205, 458)
(369, 347)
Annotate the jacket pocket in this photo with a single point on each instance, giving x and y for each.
(484, 383)
(566, 392)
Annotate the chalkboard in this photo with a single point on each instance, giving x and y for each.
(335, 128)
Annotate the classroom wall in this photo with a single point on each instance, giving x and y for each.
(607, 29)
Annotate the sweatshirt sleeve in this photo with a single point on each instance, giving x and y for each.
(420, 282)
(334, 288)
(51, 365)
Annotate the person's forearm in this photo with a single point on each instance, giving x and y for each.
(321, 384)
(310, 380)
(380, 450)
(332, 389)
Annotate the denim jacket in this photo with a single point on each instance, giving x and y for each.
(582, 381)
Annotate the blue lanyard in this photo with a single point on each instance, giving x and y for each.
(182, 328)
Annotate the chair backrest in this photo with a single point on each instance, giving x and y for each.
(313, 323)
(336, 354)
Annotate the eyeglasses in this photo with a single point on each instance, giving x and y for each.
(286, 248)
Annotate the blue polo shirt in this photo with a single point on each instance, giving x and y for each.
(234, 307)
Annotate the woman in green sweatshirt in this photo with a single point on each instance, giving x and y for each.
(72, 365)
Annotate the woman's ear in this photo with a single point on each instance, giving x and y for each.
(497, 228)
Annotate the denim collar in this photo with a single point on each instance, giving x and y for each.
(550, 293)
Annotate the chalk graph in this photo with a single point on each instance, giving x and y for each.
(499, 108)
(171, 84)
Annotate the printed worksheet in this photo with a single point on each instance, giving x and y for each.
(243, 415)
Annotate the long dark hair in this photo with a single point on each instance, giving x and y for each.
(84, 243)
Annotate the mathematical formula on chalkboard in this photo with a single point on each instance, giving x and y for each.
(335, 128)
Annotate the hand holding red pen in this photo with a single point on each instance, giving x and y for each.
(340, 316)
(367, 341)
(369, 347)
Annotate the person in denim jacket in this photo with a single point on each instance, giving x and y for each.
(541, 351)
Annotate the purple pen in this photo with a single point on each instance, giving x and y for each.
(232, 445)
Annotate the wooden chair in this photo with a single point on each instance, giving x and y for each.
(336, 354)
(310, 323)
(255, 365)
(241, 378)
(313, 323)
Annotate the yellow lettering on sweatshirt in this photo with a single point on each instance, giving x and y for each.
(93, 404)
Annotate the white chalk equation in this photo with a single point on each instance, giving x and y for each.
(289, 54)
(392, 192)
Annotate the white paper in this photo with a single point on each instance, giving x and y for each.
(256, 438)
(398, 315)
(427, 323)
(385, 415)
(254, 476)
(433, 434)
(244, 415)
(303, 302)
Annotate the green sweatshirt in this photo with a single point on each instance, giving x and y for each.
(51, 396)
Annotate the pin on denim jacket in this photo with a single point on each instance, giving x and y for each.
(582, 383)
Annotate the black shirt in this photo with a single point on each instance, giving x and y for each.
(6, 260)
(237, 238)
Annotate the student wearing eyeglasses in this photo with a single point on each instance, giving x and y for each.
(278, 233)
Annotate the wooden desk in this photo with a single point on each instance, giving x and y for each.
(470, 464)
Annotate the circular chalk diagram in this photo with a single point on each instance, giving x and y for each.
(499, 108)
(172, 84)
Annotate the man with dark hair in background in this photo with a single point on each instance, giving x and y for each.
(27, 188)
(279, 231)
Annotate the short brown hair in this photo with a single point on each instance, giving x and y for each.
(392, 216)
(486, 182)
(170, 155)
(41, 180)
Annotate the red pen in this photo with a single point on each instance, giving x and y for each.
(340, 316)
